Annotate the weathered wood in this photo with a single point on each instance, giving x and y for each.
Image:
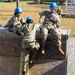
(10, 43)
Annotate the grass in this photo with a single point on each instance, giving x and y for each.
(31, 9)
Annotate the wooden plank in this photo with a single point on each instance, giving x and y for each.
(10, 44)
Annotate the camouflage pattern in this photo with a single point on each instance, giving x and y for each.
(15, 23)
(51, 25)
(29, 44)
(29, 39)
(59, 12)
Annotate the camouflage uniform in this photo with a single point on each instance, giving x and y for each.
(51, 24)
(15, 23)
(59, 12)
(30, 47)
(29, 40)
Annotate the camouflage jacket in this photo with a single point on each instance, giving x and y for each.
(15, 21)
(59, 11)
(51, 19)
(30, 31)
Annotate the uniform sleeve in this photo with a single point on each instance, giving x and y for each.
(37, 26)
(58, 22)
(44, 12)
(22, 20)
(23, 28)
(10, 23)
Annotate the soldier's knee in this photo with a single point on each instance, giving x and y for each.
(44, 31)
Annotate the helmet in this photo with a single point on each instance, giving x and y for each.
(29, 19)
(18, 10)
(53, 5)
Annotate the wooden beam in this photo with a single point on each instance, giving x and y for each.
(17, 3)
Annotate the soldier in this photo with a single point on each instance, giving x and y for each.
(51, 24)
(59, 11)
(29, 44)
(29, 41)
(15, 23)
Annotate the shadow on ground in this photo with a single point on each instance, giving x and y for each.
(49, 67)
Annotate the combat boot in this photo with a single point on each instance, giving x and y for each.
(61, 51)
(32, 60)
(25, 70)
(43, 50)
(34, 56)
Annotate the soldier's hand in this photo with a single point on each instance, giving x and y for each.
(40, 14)
(23, 24)
(40, 20)
(55, 26)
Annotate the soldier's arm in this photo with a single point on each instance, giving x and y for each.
(23, 28)
(42, 14)
(37, 26)
(58, 23)
(22, 21)
(9, 23)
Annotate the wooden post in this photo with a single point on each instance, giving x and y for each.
(17, 3)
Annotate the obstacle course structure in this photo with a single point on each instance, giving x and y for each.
(11, 46)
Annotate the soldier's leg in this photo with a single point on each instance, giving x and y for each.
(34, 53)
(24, 60)
(16, 30)
(44, 33)
(57, 35)
(20, 31)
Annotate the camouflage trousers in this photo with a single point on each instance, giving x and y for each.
(16, 29)
(33, 47)
(29, 51)
(55, 32)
